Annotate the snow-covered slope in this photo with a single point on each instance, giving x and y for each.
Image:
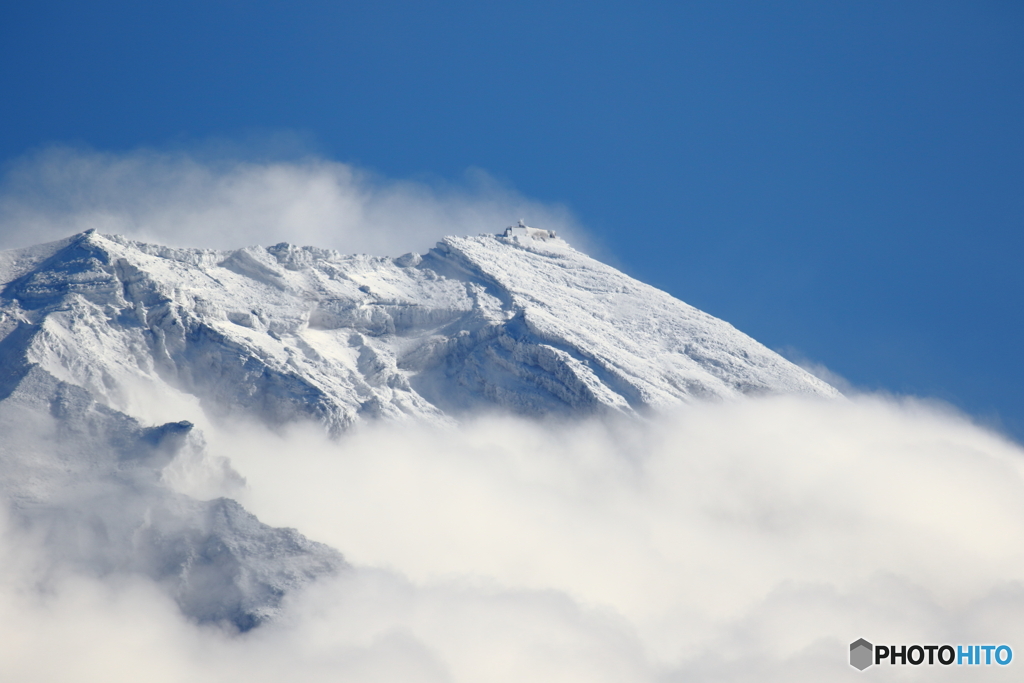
(511, 322)
(107, 346)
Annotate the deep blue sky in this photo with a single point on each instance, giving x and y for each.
(846, 178)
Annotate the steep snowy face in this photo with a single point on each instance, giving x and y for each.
(580, 332)
(285, 333)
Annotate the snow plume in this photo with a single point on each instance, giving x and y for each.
(184, 199)
(743, 541)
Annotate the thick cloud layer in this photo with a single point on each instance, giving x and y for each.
(748, 541)
(186, 200)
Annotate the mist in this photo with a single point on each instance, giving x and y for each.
(219, 201)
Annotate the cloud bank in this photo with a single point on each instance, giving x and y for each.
(730, 542)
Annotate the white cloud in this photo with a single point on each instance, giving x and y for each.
(749, 541)
(190, 200)
(773, 524)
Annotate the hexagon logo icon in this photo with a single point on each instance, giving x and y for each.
(860, 654)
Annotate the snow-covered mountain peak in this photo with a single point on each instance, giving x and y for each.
(113, 348)
(512, 321)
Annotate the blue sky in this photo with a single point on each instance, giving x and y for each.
(844, 179)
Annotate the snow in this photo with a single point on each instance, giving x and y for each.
(530, 325)
(109, 346)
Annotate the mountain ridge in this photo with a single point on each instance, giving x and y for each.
(530, 326)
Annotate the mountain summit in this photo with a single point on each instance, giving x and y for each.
(102, 339)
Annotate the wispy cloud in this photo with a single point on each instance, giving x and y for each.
(819, 370)
(194, 200)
